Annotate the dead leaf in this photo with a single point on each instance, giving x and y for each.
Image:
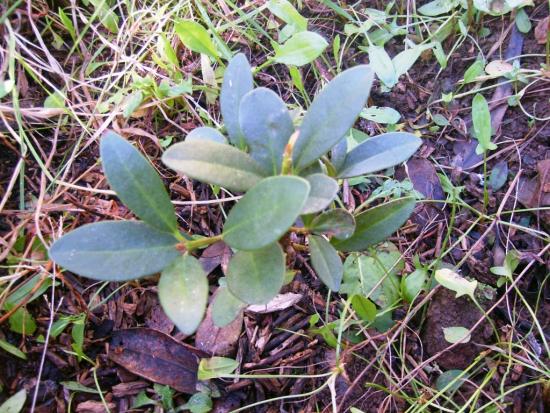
(218, 341)
(498, 68)
(92, 406)
(158, 320)
(216, 254)
(156, 357)
(280, 302)
(541, 31)
(535, 192)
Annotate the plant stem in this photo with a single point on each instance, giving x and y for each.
(203, 242)
(485, 192)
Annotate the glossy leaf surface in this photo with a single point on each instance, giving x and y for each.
(214, 163)
(114, 250)
(378, 153)
(376, 224)
(266, 125)
(332, 114)
(136, 182)
(183, 293)
(255, 277)
(266, 212)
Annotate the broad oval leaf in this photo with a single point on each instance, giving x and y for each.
(364, 307)
(453, 281)
(136, 182)
(237, 82)
(216, 367)
(332, 114)
(285, 11)
(382, 115)
(379, 153)
(481, 121)
(225, 307)
(195, 37)
(382, 65)
(205, 133)
(183, 293)
(323, 190)
(338, 154)
(326, 262)
(266, 125)
(256, 277)
(337, 223)
(115, 250)
(302, 48)
(376, 224)
(214, 163)
(266, 212)
(412, 284)
(437, 7)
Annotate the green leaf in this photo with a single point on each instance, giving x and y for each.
(451, 378)
(378, 153)
(285, 11)
(214, 163)
(522, 21)
(216, 367)
(412, 284)
(337, 223)
(499, 175)
(326, 262)
(481, 120)
(77, 387)
(22, 322)
(460, 285)
(323, 190)
(207, 133)
(302, 48)
(437, 7)
(26, 288)
(255, 277)
(332, 114)
(404, 60)
(474, 71)
(198, 403)
(382, 115)
(183, 293)
(237, 82)
(114, 250)
(457, 334)
(6, 86)
(266, 212)
(195, 37)
(131, 104)
(376, 224)
(15, 403)
(266, 125)
(136, 182)
(225, 307)
(10, 348)
(364, 307)
(374, 276)
(382, 65)
(106, 14)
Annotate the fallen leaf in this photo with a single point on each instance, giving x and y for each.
(156, 357)
(541, 31)
(535, 192)
(280, 302)
(92, 406)
(498, 68)
(218, 341)
(214, 255)
(457, 334)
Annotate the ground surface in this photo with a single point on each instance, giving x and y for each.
(51, 182)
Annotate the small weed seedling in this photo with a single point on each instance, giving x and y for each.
(288, 174)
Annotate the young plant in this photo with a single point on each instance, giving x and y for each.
(290, 182)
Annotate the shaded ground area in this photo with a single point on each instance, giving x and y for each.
(51, 182)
